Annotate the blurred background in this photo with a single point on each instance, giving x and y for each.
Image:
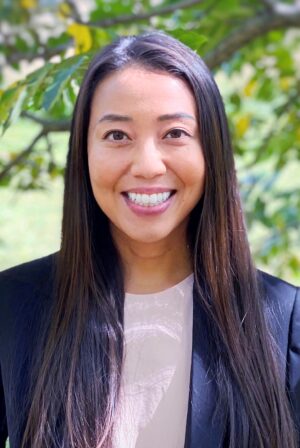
(253, 49)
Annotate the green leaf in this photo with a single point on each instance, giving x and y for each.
(17, 108)
(190, 38)
(57, 41)
(62, 77)
(110, 9)
(11, 102)
(36, 85)
(21, 44)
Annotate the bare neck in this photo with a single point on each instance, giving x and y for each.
(153, 267)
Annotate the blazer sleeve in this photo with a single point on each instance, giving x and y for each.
(3, 424)
(294, 359)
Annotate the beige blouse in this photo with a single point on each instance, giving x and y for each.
(157, 364)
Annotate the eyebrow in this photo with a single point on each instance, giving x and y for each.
(175, 116)
(165, 117)
(114, 117)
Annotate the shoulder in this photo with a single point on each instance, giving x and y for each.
(278, 288)
(25, 290)
(282, 310)
(280, 298)
(31, 275)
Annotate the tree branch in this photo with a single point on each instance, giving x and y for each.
(277, 15)
(49, 125)
(250, 30)
(41, 53)
(21, 156)
(105, 23)
(46, 53)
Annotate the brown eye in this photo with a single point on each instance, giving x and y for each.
(116, 136)
(176, 133)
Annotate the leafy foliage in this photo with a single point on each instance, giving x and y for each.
(258, 73)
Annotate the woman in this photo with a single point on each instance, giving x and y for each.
(161, 332)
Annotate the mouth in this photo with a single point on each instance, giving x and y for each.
(149, 200)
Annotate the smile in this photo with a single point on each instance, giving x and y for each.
(149, 200)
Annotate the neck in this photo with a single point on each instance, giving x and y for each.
(153, 267)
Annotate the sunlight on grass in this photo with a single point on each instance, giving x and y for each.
(30, 221)
(30, 224)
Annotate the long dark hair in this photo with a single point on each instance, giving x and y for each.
(75, 393)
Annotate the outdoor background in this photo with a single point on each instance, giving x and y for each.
(253, 49)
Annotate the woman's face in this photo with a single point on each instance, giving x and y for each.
(145, 159)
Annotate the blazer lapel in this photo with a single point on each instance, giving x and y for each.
(202, 430)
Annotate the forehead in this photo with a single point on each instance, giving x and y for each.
(139, 88)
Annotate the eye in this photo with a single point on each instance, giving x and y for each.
(176, 133)
(116, 135)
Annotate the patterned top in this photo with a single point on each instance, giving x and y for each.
(157, 363)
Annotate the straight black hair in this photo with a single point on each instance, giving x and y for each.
(76, 388)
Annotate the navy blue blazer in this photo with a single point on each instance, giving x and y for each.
(25, 294)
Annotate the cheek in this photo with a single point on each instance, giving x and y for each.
(104, 169)
(192, 171)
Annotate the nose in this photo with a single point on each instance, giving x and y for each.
(147, 161)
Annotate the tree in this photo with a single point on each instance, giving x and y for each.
(251, 45)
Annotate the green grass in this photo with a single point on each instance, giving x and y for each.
(30, 220)
(19, 135)
(30, 224)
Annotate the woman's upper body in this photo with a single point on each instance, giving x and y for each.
(151, 197)
(26, 296)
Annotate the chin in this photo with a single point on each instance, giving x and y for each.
(147, 239)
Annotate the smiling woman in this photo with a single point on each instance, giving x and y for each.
(150, 327)
(146, 166)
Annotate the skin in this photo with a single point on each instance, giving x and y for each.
(157, 145)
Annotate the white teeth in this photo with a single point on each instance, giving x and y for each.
(153, 198)
(145, 199)
(149, 200)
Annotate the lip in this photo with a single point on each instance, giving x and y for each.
(149, 190)
(141, 210)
